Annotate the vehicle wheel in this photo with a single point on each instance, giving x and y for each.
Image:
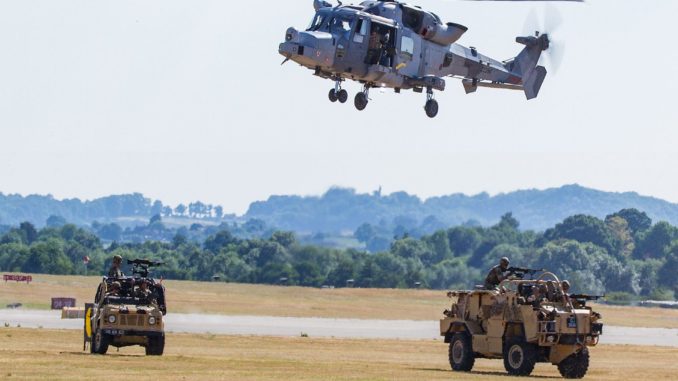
(431, 108)
(519, 357)
(342, 96)
(156, 346)
(461, 353)
(100, 342)
(333, 96)
(575, 365)
(361, 101)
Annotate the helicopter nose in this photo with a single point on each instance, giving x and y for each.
(308, 48)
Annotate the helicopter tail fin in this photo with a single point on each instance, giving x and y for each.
(526, 64)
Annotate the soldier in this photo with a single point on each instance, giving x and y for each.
(496, 274)
(114, 271)
(114, 290)
(538, 296)
(374, 48)
(143, 293)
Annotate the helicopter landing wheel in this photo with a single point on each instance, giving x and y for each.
(333, 96)
(431, 108)
(361, 101)
(342, 96)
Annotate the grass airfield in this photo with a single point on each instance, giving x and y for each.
(39, 354)
(261, 300)
(35, 354)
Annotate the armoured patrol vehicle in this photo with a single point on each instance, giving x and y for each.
(126, 313)
(522, 322)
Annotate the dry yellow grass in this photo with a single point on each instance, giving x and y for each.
(27, 354)
(244, 299)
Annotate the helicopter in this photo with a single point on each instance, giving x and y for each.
(390, 44)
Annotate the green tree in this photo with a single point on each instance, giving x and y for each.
(583, 228)
(28, 232)
(655, 242)
(637, 221)
(55, 221)
(463, 240)
(180, 210)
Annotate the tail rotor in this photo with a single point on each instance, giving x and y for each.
(548, 25)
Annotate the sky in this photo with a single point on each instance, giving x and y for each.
(186, 100)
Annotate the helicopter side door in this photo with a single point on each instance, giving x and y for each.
(409, 54)
(352, 51)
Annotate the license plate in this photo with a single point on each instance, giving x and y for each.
(572, 322)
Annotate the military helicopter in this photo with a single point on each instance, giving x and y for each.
(390, 44)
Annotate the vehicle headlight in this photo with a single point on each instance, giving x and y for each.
(151, 320)
(111, 319)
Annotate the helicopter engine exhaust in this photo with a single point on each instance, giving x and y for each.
(444, 34)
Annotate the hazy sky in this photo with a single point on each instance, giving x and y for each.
(186, 100)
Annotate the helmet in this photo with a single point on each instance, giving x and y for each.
(565, 285)
(117, 258)
(505, 261)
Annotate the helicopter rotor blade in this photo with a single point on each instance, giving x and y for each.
(552, 19)
(555, 54)
(543, 1)
(531, 23)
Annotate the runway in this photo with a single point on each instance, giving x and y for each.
(317, 327)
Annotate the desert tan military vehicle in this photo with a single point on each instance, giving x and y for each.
(522, 322)
(127, 312)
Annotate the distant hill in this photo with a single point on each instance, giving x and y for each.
(343, 209)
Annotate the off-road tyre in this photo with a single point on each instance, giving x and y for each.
(575, 365)
(100, 342)
(461, 354)
(155, 346)
(519, 357)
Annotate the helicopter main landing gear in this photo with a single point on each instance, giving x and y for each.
(338, 94)
(431, 106)
(362, 98)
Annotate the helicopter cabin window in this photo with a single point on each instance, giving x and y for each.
(407, 48)
(360, 31)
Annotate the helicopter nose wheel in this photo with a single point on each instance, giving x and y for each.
(431, 106)
(361, 99)
(338, 94)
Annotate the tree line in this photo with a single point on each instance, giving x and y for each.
(624, 253)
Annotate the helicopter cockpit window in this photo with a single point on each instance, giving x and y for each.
(317, 22)
(407, 48)
(341, 25)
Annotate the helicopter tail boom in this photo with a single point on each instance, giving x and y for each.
(526, 66)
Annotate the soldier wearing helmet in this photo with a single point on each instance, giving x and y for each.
(115, 271)
(114, 290)
(496, 274)
(144, 293)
